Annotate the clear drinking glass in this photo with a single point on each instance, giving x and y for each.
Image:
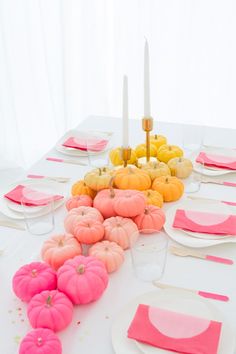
(193, 137)
(98, 148)
(149, 254)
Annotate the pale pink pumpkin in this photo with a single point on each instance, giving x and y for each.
(88, 231)
(50, 309)
(121, 230)
(79, 200)
(153, 218)
(110, 253)
(104, 201)
(79, 214)
(40, 341)
(57, 249)
(33, 278)
(130, 203)
(82, 279)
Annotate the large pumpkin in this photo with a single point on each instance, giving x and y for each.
(116, 158)
(104, 201)
(83, 279)
(130, 203)
(80, 188)
(171, 188)
(132, 178)
(158, 140)
(167, 152)
(79, 200)
(79, 214)
(110, 253)
(156, 169)
(141, 150)
(153, 218)
(57, 249)
(99, 178)
(33, 278)
(121, 230)
(50, 309)
(180, 167)
(153, 197)
(40, 341)
(88, 231)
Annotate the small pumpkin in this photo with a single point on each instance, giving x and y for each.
(121, 230)
(104, 201)
(78, 214)
(82, 279)
(140, 150)
(88, 231)
(79, 200)
(57, 249)
(40, 340)
(153, 218)
(33, 278)
(171, 188)
(110, 253)
(130, 203)
(132, 178)
(153, 198)
(99, 178)
(116, 158)
(167, 152)
(80, 188)
(156, 169)
(158, 140)
(180, 167)
(50, 309)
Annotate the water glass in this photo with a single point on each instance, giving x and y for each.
(98, 146)
(193, 137)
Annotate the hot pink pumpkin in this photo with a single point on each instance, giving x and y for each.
(33, 278)
(50, 309)
(79, 200)
(120, 230)
(153, 218)
(111, 254)
(57, 249)
(82, 279)
(40, 341)
(79, 214)
(104, 201)
(88, 231)
(130, 203)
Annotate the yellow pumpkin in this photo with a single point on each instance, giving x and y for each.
(171, 188)
(99, 178)
(167, 152)
(153, 197)
(80, 188)
(132, 178)
(156, 169)
(180, 167)
(158, 140)
(116, 159)
(140, 150)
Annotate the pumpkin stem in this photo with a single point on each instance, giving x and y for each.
(146, 211)
(169, 148)
(80, 269)
(155, 136)
(49, 300)
(148, 194)
(60, 243)
(180, 159)
(34, 272)
(112, 192)
(167, 180)
(39, 341)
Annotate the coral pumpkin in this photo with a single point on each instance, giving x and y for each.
(88, 231)
(78, 214)
(83, 279)
(79, 200)
(50, 309)
(153, 197)
(40, 341)
(132, 178)
(121, 230)
(33, 278)
(153, 218)
(110, 253)
(104, 201)
(57, 249)
(171, 188)
(130, 203)
(81, 188)
(99, 178)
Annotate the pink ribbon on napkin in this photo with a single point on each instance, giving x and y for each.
(210, 223)
(85, 144)
(220, 161)
(30, 196)
(175, 331)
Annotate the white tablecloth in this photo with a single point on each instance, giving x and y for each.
(91, 325)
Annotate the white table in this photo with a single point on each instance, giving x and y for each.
(92, 335)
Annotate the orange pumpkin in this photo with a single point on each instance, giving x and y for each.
(110, 253)
(88, 231)
(80, 187)
(132, 178)
(79, 200)
(57, 249)
(171, 188)
(158, 140)
(153, 198)
(153, 218)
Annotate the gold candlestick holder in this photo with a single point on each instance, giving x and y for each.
(125, 155)
(147, 125)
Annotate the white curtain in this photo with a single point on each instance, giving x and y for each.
(61, 60)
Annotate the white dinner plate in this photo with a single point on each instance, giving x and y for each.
(174, 300)
(194, 239)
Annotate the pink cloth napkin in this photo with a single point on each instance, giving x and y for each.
(174, 331)
(31, 197)
(93, 144)
(220, 161)
(210, 223)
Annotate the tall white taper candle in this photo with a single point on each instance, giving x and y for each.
(147, 108)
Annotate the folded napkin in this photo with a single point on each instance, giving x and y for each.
(85, 144)
(220, 161)
(210, 223)
(30, 196)
(174, 331)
